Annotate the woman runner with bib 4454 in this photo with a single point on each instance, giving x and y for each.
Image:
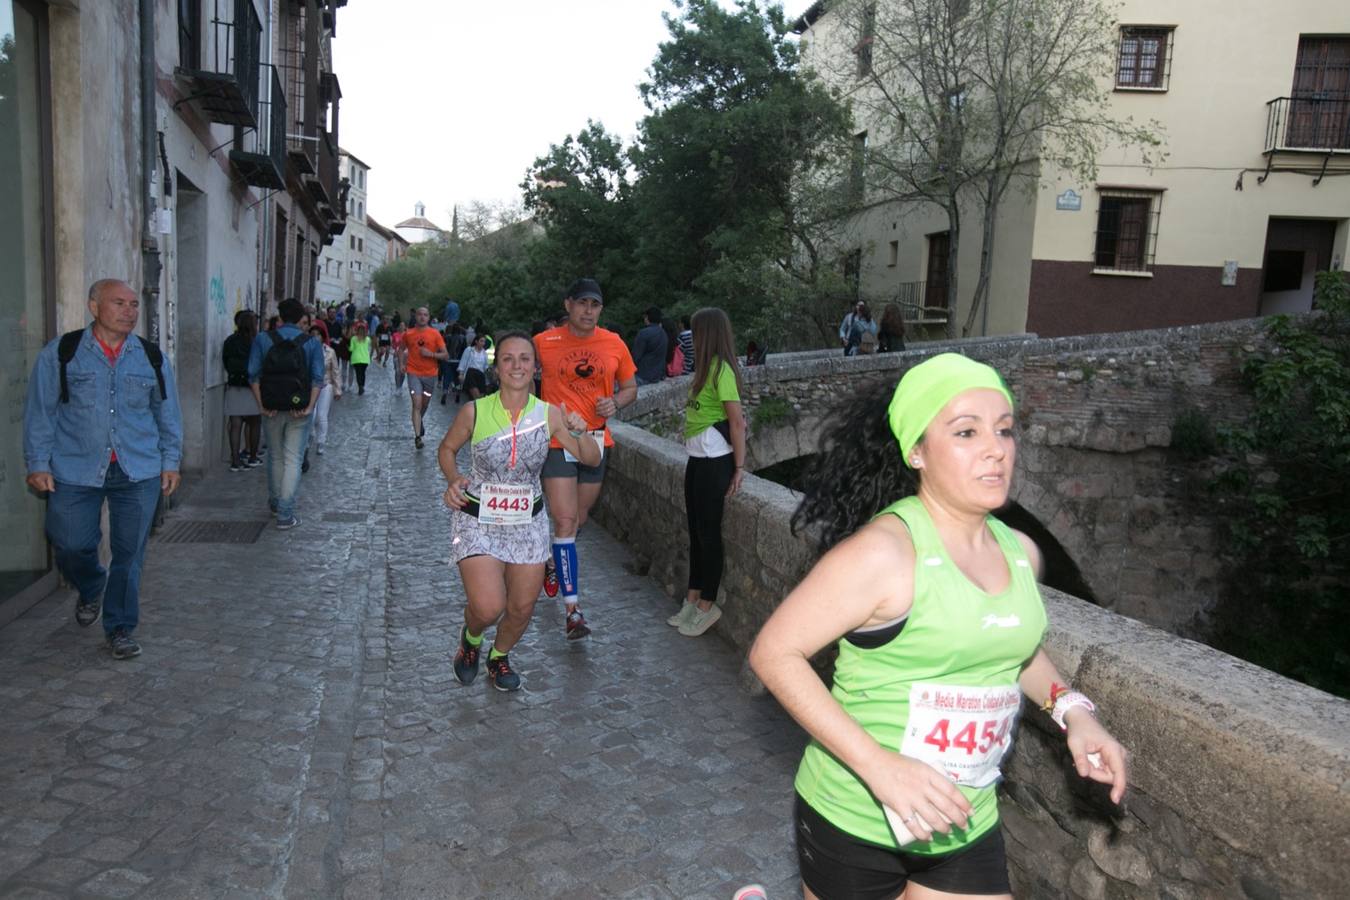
(500, 535)
(939, 621)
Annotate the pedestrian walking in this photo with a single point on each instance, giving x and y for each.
(359, 345)
(423, 349)
(400, 371)
(101, 425)
(857, 323)
(472, 367)
(714, 437)
(589, 369)
(241, 407)
(384, 341)
(687, 344)
(455, 345)
(649, 348)
(939, 623)
(500, 539)
(286, 371)
(342, 348)
(331, 390)
(891, 335)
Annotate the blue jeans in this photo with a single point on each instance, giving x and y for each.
(287, 438)
(73, 514)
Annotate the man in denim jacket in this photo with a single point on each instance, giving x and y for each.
(114, 439)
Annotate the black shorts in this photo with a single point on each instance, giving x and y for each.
(556, 465)
(837, 866)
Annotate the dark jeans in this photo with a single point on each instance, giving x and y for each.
(705, 492)
(360, 369)
(73, 513)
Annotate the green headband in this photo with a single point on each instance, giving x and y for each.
(928, 387)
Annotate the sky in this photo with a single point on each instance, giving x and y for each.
(451, 101)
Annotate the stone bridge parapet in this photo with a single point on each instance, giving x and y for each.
(1096, 468)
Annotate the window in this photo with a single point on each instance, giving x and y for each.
(866, 38)
(857, 171)
(894, 258)
(351, 242)
(1127, 229)
(189, 34)
(361, 244)
(1145, 59)
(356, 267)
(360, 209)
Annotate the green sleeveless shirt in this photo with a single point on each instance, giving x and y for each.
(945, 688)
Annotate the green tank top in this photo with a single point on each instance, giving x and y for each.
(945, 689)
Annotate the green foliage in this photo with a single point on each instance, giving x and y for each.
(771, 411)
(1284, 492)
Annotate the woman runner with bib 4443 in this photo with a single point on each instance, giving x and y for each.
(500, 534)
(939, 622)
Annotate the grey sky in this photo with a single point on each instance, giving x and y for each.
(450, 101)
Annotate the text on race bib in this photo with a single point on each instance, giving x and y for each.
(505, 504)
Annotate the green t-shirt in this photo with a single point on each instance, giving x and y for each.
(360, 349)
(706, 410)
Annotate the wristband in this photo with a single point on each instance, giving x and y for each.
(575, 434)
(1056, 691)
(1067, 701)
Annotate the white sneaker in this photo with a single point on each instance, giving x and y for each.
(320, 449)
(701, 621)
(682, 616)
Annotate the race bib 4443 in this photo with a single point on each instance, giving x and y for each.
(962, 731)
(505, 504)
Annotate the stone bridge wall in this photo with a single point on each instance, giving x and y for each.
(1096, 415)
(1240, 777)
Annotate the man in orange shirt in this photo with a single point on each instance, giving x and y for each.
(423, 349)
(590, 369)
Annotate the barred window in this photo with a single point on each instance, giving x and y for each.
(866, 37)
(1145, 58)
(1127, 229)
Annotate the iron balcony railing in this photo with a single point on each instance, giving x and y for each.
(224, 73)
(916, 304)
(1308, 124)
(261, 156)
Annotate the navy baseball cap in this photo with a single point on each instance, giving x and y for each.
(585, 289)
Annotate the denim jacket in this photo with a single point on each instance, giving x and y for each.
(114, 407)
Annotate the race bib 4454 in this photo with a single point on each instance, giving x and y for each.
(962, 731)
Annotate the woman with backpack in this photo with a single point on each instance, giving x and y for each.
(855, 325)
(241, 407)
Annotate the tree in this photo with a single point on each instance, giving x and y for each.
(969, 98)
(736, 134)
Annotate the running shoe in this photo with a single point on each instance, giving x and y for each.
(237, 464)
(123, 645)
(253, 462)
(500, 675)
(466, 659)
(417, 442)
(687, 609)
(287, 524)
(576, 625)
(550, 580)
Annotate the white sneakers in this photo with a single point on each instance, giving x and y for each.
(699, 621)
(683, 615)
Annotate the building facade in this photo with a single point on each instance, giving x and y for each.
(345, 269)
(158, 143)
(1254, 107)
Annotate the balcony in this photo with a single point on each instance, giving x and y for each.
(224, 71)
(261, 158)
(299, 61)
(1308, 124)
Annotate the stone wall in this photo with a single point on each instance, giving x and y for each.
(1240, 777)
(1096, 467)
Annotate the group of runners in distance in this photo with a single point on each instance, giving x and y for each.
(932, 602)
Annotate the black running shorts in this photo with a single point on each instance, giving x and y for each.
(837, 866)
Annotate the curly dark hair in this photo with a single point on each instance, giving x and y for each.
(858, 471)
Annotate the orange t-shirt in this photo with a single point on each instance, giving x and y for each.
(429, 338)
(578, 371)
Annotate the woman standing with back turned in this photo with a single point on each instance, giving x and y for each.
(714, 435)
(939, 622)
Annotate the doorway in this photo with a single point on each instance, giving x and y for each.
(1296, 250)
(935, 290)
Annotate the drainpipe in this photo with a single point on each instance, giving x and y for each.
(265, 254)
(150, 261)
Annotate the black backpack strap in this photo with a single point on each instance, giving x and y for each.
(65, 352)
(156, 357)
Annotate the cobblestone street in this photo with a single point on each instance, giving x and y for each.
(293, 728)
